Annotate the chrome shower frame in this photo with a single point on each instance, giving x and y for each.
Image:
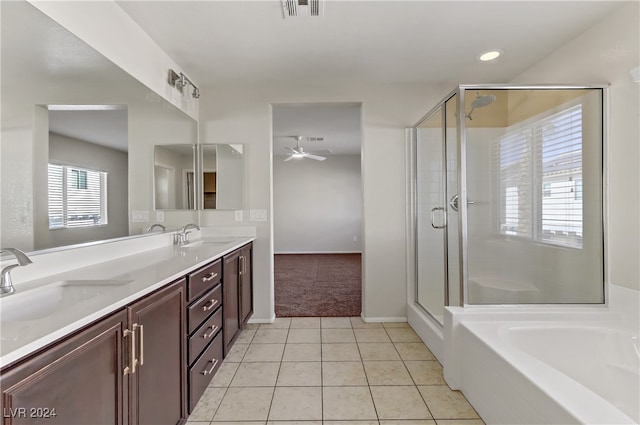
(461, 149)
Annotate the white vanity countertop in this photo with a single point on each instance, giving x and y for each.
(44, 310)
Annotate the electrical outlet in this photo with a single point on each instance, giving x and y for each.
(160, 216)
(238, 215)
(140, 216)
(258, 215)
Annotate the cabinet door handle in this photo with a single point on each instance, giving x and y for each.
(209, 305)
(241, 265)
(131, 369)
(210, 370)
(214, 329)
(209, 277)
(140, 343)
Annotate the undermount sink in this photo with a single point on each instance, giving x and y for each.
(39, 302)
(205, 242)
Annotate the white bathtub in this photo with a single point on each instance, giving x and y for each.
(573, 365)
(551, 372)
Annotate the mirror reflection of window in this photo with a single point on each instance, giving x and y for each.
(77, 197)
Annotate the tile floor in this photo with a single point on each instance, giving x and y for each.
(329, 370)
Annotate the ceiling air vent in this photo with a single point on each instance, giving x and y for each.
(302, 8)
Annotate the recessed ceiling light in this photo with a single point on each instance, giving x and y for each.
(490, 55)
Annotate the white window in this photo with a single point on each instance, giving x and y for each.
(540, 179)
(77, 197)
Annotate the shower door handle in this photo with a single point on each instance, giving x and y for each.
(453, 203)
(444, 215)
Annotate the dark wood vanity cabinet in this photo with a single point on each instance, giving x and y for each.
(127, 368)
(157, 388)
(146, 364)
(237, 289)
(78, 381)
(204, 325)
(246, 283)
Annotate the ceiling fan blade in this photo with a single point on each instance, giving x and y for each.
(288, 149)
(316, 157)
(321, 152)
(289, 158)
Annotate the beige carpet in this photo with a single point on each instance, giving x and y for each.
(311, 285)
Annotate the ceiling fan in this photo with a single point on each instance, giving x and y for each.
(299, 152)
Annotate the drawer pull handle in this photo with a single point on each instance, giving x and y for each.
(213, 328)
(209, 277)
(210, 370)
(209, 305)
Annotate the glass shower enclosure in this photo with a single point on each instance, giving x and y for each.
(509, 197)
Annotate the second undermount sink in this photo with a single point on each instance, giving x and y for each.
(39, 302)
(205, 242)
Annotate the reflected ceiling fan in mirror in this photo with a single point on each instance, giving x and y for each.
(299, 152)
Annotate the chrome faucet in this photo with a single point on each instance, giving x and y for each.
(6, 285)
(182, 236)
(153, 226)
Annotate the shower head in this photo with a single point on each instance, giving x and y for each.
(480, 102)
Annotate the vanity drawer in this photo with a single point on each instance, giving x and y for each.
(203, 307)
(201, 373)
(203, 279)
(204, 334)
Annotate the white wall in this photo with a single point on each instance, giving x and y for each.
(242, 114)
(606, 53)
(317, 205)
(70, 151)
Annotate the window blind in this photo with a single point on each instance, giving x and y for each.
(539, 179)
(77, 197)
(560, 145)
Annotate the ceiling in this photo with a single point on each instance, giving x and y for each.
(101, 127)
(337, 123)
(238, 42)
(432, 42)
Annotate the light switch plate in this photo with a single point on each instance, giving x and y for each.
(140, 216)
(159, 216)
(238, 215)
(258, 215)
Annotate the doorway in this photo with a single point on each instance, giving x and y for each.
(317, 209)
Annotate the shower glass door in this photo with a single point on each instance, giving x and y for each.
(430, 215)
(437, 267)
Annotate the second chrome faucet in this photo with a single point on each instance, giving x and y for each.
(182, 236)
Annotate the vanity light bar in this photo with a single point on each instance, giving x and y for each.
(180, 81)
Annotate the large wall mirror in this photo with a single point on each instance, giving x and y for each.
(77, 133)
(209, 176)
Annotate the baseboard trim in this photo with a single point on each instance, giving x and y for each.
(318, 252)
(397, 319)
(262, 320)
